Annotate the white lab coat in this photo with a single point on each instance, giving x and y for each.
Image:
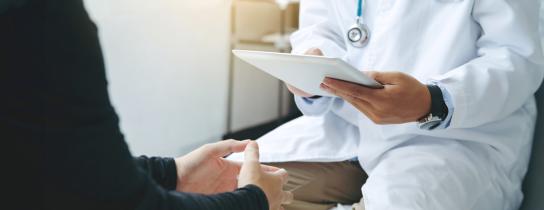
(487, 55)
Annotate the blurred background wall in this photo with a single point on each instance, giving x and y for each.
(172, 78)
(167, 63)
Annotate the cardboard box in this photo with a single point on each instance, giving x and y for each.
(253, 19)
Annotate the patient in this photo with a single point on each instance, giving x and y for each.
(70, 152)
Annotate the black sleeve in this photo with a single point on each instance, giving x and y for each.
(55, 105)
(162, 170)
(10, 4)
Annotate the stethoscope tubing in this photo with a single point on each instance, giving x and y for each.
(360, 9)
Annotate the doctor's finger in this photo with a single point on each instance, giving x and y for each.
(371, 74)
(348, 88)
(363, 106)
(347, 96)
(314, 51)
(386, 78)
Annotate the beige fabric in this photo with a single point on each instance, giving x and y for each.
(321, 186)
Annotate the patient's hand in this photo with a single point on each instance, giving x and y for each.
(206, 171)
(271, 182)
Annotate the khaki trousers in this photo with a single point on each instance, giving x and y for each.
(321, 186)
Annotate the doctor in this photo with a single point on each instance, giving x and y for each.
(452, 128)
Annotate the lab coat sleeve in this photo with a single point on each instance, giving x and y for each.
(508, 69)
(314, 107)
(317, 30)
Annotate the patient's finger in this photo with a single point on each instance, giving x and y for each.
(283, 174)
(233, 163)
(287, 197)
(251, 163)
(268, 168)
(226, 147)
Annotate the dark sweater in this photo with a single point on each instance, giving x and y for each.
(56, 110)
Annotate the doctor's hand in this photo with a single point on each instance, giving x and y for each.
(270, 182)
(299, 92)
(403, 99)
(206, 171)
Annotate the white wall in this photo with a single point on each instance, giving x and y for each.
(167, 63)
(542, 20)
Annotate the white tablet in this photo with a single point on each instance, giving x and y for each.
(303, 71)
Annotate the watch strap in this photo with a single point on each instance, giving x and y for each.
(438, 105)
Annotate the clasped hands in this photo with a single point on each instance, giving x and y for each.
(205, 171)
(403, 99)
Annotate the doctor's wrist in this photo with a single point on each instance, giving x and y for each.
(438, 112)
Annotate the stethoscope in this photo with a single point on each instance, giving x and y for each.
(359, 34)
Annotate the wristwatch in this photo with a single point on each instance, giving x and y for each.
(439, 110)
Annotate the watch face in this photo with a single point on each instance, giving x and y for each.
(431, 124)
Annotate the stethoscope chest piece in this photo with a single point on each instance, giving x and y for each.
(358, 34)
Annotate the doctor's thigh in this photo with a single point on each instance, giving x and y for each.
(440, 174)
(321, 186)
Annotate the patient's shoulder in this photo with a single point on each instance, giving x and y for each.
(6, 5)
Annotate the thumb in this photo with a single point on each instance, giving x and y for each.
(385, 78)
(251, 159)
(282, 173)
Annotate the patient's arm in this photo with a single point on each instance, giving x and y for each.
(8, 4)
(56, 104)
(162, 170)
